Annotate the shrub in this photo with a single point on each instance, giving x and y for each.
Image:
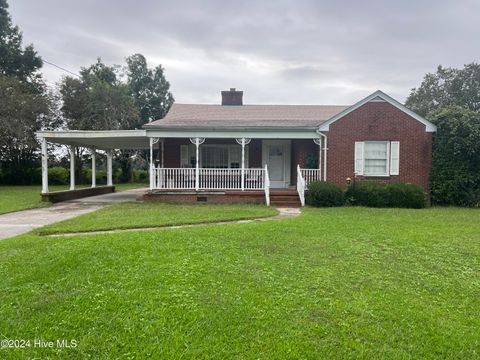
(140, 176)
(58, 176)
(406, 195)
(375, 194)
(367, 193)
(100, 176)
(324, 194)
(455, 176)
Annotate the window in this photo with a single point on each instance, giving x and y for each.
(377, 158)
(214, 156)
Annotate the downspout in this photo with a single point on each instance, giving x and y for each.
(325, 149)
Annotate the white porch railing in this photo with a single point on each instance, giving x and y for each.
(300, 185)
(208, 179)
(311, 175)
(173, 178)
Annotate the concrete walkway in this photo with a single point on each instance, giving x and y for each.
(283, 213)
(20, 222)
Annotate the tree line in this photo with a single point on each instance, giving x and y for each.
(100, 97)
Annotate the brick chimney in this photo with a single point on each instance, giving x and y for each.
(232, 97)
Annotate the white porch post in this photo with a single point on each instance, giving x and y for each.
(319, 143)
(243, 142)
(154, 181)
(197, 141)
(163, 151)
(151, 164)
(94, 169)
(72, 167)
(44, 166)
(197, 165)
(109, 168)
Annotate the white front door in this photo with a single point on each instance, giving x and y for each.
(276, 155)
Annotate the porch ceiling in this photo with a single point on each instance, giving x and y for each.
(103, 140)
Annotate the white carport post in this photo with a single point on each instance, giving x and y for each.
(72, 167)
(109, 168)
(94, 170)
(44, 166)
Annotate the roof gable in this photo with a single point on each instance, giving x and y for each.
(376, 97)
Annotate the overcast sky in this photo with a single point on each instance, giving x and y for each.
(278, 52)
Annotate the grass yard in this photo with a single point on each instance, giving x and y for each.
(14, 198)
(331, 283)
(132, 215)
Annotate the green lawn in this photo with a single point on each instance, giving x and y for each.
(14, 198)
(341, 283)
(141, 215)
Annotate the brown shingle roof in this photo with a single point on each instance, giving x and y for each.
(218, 116)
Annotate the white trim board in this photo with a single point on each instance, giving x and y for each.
(376, 97)
(232, 134)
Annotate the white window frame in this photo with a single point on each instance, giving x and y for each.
(387, 173)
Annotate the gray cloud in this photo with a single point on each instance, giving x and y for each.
(305, 52)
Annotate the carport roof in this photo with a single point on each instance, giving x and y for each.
(103, 140)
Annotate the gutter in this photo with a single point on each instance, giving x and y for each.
(325, 149)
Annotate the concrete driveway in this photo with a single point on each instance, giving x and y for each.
(20, 222)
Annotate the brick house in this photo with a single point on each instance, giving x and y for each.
(263, 153)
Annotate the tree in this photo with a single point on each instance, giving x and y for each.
(24, 103)
(16, 61)
(455, 176)
(150, 89)
(447, 87)
(21, 114)
(97, 100)
(152, 95)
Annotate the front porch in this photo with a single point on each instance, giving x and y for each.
(220, 170)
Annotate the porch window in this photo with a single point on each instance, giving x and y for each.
(215, 156)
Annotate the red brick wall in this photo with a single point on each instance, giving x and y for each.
(232, 196)
(301, 149)
(172, 151)
(380, 121)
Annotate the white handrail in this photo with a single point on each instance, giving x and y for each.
(300, 185)
(267, 186)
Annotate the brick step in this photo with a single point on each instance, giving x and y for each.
(284, 198)
(283, 192)
(286, 204)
